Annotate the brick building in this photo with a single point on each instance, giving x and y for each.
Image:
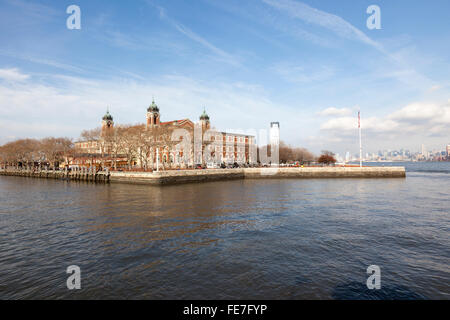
(174, 143)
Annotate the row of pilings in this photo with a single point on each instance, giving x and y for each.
(76, 174)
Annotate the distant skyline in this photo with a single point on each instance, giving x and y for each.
(311, 65)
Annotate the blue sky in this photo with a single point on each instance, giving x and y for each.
(308, 64)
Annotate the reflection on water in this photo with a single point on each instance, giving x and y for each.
(279, 239)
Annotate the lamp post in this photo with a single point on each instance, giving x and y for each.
(157, 159)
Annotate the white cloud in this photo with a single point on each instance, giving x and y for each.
(343, 125)
(13, 74)
(435, 88)
(302, 74)
(60, 105)
(424, 112)
(257, 14)
(332, 111)
(412, 125)
(401, 63)
(51, 63)
(326, 20)
(421, 117)
(221, 54)
(28, 10)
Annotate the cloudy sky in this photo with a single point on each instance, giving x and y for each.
(308, 64)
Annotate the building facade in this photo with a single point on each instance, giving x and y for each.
(170, 144)
(275, 133)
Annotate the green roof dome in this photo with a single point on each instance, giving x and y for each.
(204, 116)
(153, 107)
(107, 116)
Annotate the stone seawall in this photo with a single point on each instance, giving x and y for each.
(189, 176)
(325, 172)
(186, 176)
(61, 175)
(175, 177)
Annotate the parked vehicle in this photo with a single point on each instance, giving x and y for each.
(212, 165)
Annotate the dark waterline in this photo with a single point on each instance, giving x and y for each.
(253, 239)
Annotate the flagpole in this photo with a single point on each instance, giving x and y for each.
(360, 141)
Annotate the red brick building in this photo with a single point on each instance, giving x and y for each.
(174, 143)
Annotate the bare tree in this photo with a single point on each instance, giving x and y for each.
(55, 149)
(93, 138)
(160, 138)
(28, 152)
(91, 135)
(127, 143)
(288, 154)
(143, 146)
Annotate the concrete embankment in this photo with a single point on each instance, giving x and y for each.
(60, 174)
(186, 176)
(189, 176)
(325, 172)
(177, 176)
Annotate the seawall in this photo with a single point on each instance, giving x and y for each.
(190, 176)
(186, 176)
(326, 172)
(60, 175)
(177, 176)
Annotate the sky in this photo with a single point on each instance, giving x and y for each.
(310, 65)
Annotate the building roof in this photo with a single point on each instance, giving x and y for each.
(204, 115)
(107, 116)
(176, 122)
(153, 107)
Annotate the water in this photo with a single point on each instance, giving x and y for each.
(246, 239)
(415, 167)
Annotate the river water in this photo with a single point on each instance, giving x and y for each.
(246, 239)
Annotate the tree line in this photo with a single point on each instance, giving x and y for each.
(289, 153)
(128, 142)
(31, 152)
(131, 142)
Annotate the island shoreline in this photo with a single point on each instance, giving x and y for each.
(171, 177)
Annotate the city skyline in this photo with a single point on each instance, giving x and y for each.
(442, 154)
(308, 65)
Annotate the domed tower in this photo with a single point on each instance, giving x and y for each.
(107, 122)
(204, 120)
(152, 114)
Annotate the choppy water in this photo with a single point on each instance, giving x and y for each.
(253, 239)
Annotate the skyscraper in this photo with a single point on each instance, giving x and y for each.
(275, 133)
(274, 143)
